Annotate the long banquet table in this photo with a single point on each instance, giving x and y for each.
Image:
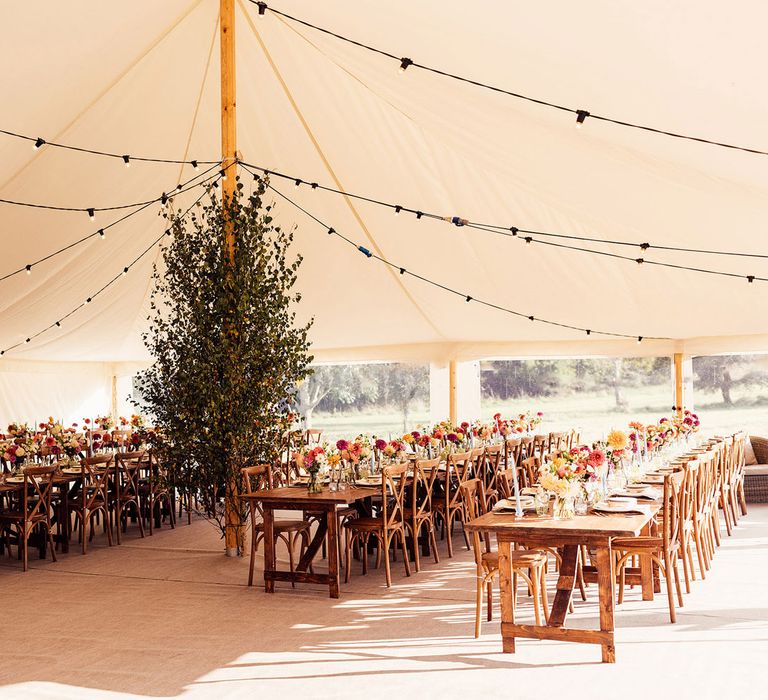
(594, 531)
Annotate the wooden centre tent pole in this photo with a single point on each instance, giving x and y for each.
(234, 526)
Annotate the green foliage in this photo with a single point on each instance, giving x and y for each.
(333, 388)
(227, 350)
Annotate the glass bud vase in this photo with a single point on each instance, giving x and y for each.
(314, 485)
(564, 508)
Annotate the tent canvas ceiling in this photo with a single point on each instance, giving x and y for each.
(143, 78)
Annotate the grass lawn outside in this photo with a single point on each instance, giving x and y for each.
(593, 413)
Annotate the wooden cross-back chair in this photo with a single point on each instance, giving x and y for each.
(387, 528)
(127, 495)
(556, 442)
(492, 465)
(93, 500)
(663, 548)
(31, 511)
(419, 517)
(529, 471)
(539, 446)
(157, 490)
(513, 449)
(258, 478)
(530, 565)
(449, 505)
(737, 471)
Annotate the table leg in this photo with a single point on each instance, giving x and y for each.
(605, 584)
(270, 561)
(507, 599)
(333, 553)
(565, 583)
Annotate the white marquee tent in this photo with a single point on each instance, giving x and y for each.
(142, 78)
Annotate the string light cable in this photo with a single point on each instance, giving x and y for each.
(581, 114)
(467, 297)
(530, 236)
(126, 158)
(101, 232)
(92, 211)
(166, 232)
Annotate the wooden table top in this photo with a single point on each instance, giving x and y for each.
(299, 494)
(592, 525)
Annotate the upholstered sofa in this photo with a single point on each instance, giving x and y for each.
(756, 470)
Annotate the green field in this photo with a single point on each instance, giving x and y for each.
(593, 413)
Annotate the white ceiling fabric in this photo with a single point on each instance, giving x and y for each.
(135, 78)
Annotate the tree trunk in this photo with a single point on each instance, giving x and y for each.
(618, 398)
(725, 387)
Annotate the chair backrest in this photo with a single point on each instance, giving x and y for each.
(574, 438)
(97, 472)
(540, 446)
(673, 508)
(425, 475)
(457, 468)
(557, 442)
(505, 482)
(393, 482)
(491, 467)
(477, 457)
(256, 478)
(528, 473)
(473, 499)
(38, 491)
(312, 436)
(127, 472)
(513, 446)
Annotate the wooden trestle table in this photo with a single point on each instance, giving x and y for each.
(594, 531)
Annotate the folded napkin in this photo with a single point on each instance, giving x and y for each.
(646, 495)
(508, 505)
(626, 510)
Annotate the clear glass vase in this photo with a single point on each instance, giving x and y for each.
(314, 485)
(564, 508)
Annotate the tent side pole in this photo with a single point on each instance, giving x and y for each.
(452, 394)
(679, 361)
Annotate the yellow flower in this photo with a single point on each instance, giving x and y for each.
(334, 459)
(617, 439)
(408, 438)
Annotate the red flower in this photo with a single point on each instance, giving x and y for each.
(596, 459)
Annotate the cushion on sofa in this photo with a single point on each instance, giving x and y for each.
(756, 470)
(759, 447)
(749, 452)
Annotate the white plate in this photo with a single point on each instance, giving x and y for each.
(653, 479)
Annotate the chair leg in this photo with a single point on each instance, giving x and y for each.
(543, 588)
(434, 543)
(742, 497)
(478, 604)
(25, 548)
(448, 523)
(670, 594)
(534, 584)
(684, 553)
(415, 530)
(290, 556)
(405, 552)
(253, 558)
(384, 544)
